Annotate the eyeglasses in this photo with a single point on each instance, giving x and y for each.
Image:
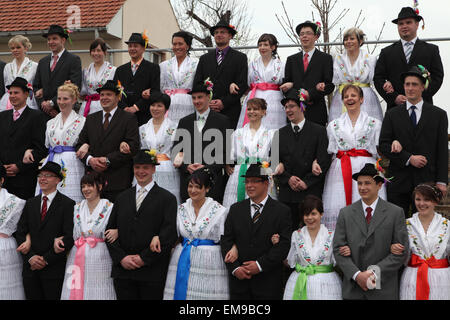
(306, 34)
(289, 106)
(42, 175)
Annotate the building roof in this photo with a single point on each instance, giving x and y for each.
(29, 15)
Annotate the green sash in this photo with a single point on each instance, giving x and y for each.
(300, 285)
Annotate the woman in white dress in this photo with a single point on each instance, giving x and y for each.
(177, 76)
(353, 140)
(11, 285)
(196, 269)
(157, 134)
(21, 66)
(265, 75)
(355, 66)
(311, 255)
(250, 144)
(427, 275)
(94, 77)
(88, 267)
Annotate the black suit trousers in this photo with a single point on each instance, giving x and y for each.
(127, 289)
(38, 288)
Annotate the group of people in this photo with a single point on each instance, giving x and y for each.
(162, 185)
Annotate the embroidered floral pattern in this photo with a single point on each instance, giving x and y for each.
(202, 223)
(323, 254)
(342, 143)
(100, 216)
(359, 75)
(93, 85)
(186, 76)
(276, 71)
(416, 247)
(362, 142)
(71, 132)
(7, 208)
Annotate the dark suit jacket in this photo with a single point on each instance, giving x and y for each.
(27, 132)
(2, 80)
(428, 139)
(371, 245)
(67, 68)
(147, 76)
(253, 243)
(233, 69)
(297, 155)
(320, 69)
(156, 216)
(57, 222)
(392, 63)
(215, 121)
(123, 127)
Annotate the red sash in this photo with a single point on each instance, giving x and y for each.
(264, 86)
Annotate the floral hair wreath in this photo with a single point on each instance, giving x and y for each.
(67, 31)
(381, 171)
(426, 74)
(121, 89)
(145, 37)
(303, 97)
(209, 86)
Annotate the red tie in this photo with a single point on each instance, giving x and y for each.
(305, 62)
(369, 214)
(44, 208)
(55, 60)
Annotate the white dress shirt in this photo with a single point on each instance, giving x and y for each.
(59, 57)
(205, 115)
(404, 42)
(300, 125)
(147, 188)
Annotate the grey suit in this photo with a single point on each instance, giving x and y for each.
(370, 245)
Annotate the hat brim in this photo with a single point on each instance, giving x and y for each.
(376, 178)
(144, 162)
(306, 24)
(109, 89)
(232, 31)
(285, 100)
(59, 175)
(45, 35)
(139, 42)
(417, 17)
(412, 74)
(19, 86)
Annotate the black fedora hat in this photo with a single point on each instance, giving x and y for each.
(407, 12)
(223, 24)
(146, 156)
(256, 170)
(160, 97)
(110, 85)
(307, 23)
(52, 167)
(415, 72)
(136, 38)
(369, 170)
(21, 83)
(56, 29)
(291, 95)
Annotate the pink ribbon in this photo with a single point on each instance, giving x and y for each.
(172, 92)
(264, 86)
(80, 243)
(89, 99)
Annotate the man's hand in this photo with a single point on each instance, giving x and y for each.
(443, 189)
(216, 105)
(195, 166)
(129, 263)
(146, 94)
(251, 267)
(37, 262)
(320, 86)
(401, 99)
(387, 87)
(138, 260)
(97, 164)
(39, 94)
(362, 278)
(242, 273)
(418, 161)
(46, 106)
(11, 170)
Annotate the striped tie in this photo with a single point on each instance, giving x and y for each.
(408, 50)
(219, 57)
(257, 213)
(140, 198)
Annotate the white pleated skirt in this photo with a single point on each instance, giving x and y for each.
(320, 286)
(11, 284)
(438, 279)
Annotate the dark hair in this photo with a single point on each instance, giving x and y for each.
(186, 36)
(98, 42)
(310, 203)
(429, 192)
(352, 86)
(272, 41)
(94, 179)
(203, 177)
(258, 102)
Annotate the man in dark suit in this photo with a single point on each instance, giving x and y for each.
(300, 143)
(257, 274)
(139, 77)
(368, 228)
(312, 71)
(140, 213)
(46, 217)
(419, 153)
(2, 80)
(194, 135)
(401, 56)
(223, 67)
(102, 133)
(21, 128)
(55, 69)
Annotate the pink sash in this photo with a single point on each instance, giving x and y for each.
(264, 86)
(172, 92)
(89, 99)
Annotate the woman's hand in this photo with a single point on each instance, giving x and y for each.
(155, 245)
(279, 169)
(316, 169)
(397, 249)
(234, 89)
(28, 156)
(275, 238)
(396, 147)
(146, 94)
(58, 245)
(178, 161)
(111, 235)
(287, 86)
(125, 148)
(82, 151)
(345, 251)
(232, 255)
(229, 169)
(387, 87)
(320, 86)
(25, 247)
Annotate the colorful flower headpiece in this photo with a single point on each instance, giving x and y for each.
(381, 171)
(145, 37)
(232, 27)
(265, 168)
(319, 27)
(68, 32)
(303, 97)
(121, 89)
(416, 10)
(426, 74)
(209, 86)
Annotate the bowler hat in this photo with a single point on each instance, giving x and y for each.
(291, 95)
(53, 167)
(21, 83)
(369, 170)
(256, 170)
(223, 24)
(314, 26)
(109, 85)
(146, 156)
(407, 12)
(416, 72)
(56, 29)
(136, 38)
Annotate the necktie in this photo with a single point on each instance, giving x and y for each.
(134, 67)
(44, 208)
(408, 50)
(106, 123)
(219, 57)
(413, 116)
(200, 123)
(16, 115)
(55, 60)
(305, 62)
(369, 214)
(257, 213)
(140, 198)
(296, 129)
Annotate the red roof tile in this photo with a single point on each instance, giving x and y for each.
(27, 15)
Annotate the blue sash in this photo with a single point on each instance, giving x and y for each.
(58, 149)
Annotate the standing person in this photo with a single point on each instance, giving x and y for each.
(11, 286)
(414, 138)
(312, 71)
(313, 277)
(404, 54)
(196, 269)
(223, 67)
(355, 66)
(98, 145)
(177, 76)
(265, 75)
(46, 217)
(54, 70)
(94, 77)
(139, 214)
(88, 271)
(301, 142)
(366, 229)
(139, 77)
(21, 128)
(21, 66)
(353, 140)
(257, 274)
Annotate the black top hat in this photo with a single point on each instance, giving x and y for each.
(314, 26)
(109, 85)
(256, 170)
(136, 38)
(160, 97)
(223, 24)
(56, 29)
(416, 72)
(146, 156)
(21, 83)
(291, 95)
(52, 167)
(407, 12)
(2, 171)
(369, 170)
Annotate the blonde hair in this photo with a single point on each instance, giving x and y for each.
(358, 33)
(24, 41)
(72, 89)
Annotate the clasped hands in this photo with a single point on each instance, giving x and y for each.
(132, 262)
(246, 270)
